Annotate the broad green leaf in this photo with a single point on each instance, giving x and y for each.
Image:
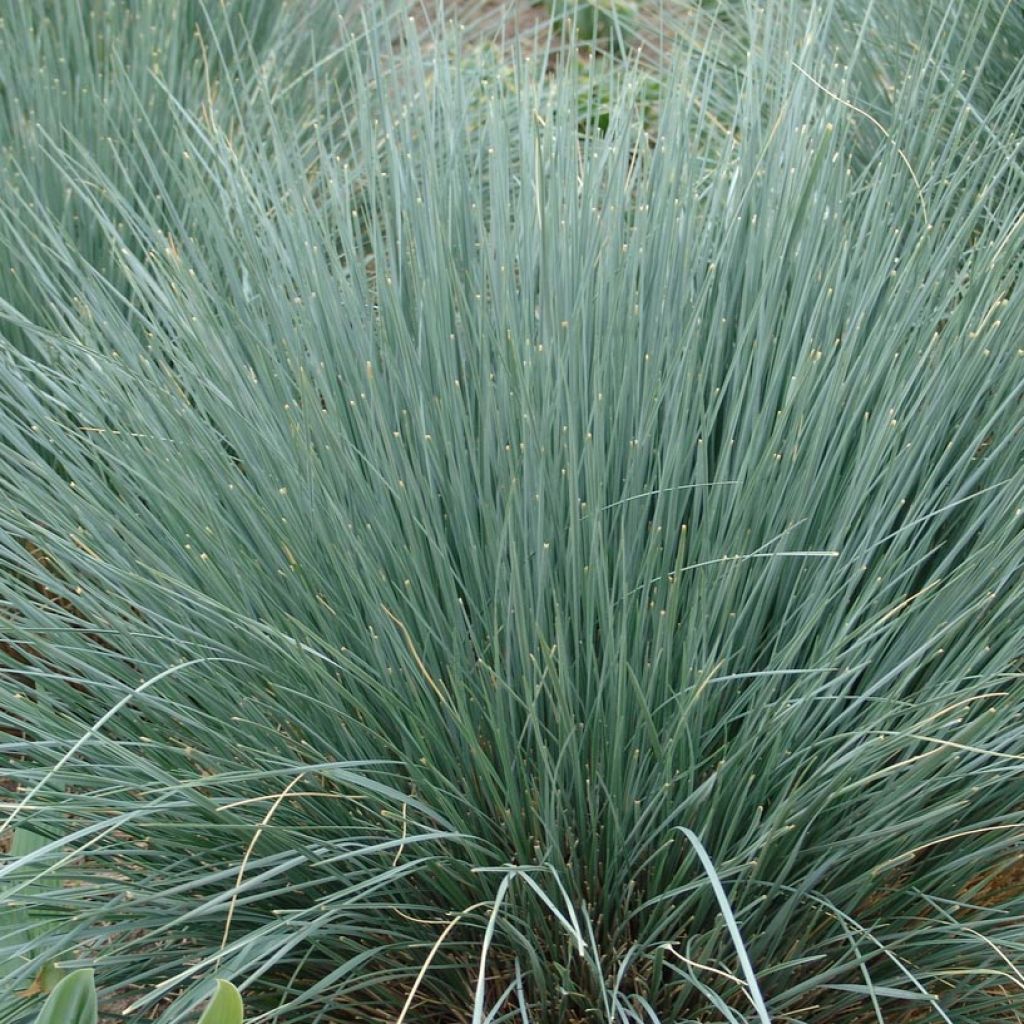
(20, 927)
(25, 841)
(225, 1007)
(73, 1001)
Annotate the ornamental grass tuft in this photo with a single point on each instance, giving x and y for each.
(479, 554)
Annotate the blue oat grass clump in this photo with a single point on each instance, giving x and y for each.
(465, 561)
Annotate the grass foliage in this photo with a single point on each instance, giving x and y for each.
(463, 561)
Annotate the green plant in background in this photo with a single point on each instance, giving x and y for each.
(73, 1001)
(24, 926)
(600, 82)
(482, 569)
(604, 24)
